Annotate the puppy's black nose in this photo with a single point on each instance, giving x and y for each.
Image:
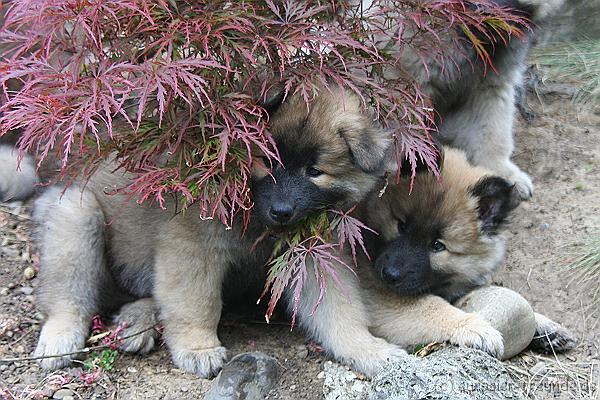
(281, 212)
(391, 274)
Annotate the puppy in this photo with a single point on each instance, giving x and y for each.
(101, 251)
(475, 105)
(17, 180)
(435, 245)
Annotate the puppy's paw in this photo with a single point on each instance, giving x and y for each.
(56, 339)
(479, 334)
(551, 337)
(140, 319)
(204, 363)
(522, 181)
(370, 358)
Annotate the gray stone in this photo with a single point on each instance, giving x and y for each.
(248, 376)
(343, 384)
(452, 373)
(62, 394)
(505, 310)
(26, 290)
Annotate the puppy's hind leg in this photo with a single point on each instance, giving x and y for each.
(551, 337)
(140, 319)
(73, 271)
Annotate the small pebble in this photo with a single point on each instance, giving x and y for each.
(538, 368)
(4, 291)
(293, 387)
(29, 273)
(544, 226)
(62, 394)
(26, 290)
(358, 386)
(321, 375)
(184, 389)
(302, 351)
(12, 285)
(132, 370)
(3, 367)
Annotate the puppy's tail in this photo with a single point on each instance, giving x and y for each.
(541, 9)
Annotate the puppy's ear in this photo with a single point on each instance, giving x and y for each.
(369, 147)
(273, 99)
(497, 198)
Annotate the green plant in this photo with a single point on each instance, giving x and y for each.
(585, 266)
(574, 62)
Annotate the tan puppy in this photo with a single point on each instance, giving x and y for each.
(101, 251)
(435, 245)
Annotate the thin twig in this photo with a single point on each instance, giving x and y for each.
(82, 351)
(8, 211)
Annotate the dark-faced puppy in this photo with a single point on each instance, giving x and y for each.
(331, 155)
(435, 245)
(443, 237)
(99, 251)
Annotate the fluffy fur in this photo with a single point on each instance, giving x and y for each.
(435, 245)
(17, 180)
(101, 251)
(475, 106)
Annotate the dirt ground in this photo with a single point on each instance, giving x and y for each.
(560, 148)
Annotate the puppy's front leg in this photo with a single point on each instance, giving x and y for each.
(408, 321)
(340, 323)
(189, 277)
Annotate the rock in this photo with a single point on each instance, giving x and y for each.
(538, 368)
(453, 373)
(505, 310)
(301, 351)
(27, 290)
(29, 273)
(4, 291)
(343, 384)
(248, 376)
(61, 394)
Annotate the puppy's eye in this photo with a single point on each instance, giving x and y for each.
(401, 226)
(313, 172)
(437, 246)
(266, 161)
